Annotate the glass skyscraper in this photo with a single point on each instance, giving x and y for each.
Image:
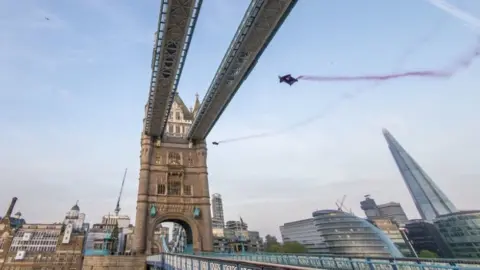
(429, 199)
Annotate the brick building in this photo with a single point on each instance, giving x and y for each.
(39, 246)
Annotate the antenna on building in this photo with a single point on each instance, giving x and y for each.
(117, 208)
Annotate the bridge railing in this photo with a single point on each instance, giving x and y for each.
(190, 262)
(332, 262)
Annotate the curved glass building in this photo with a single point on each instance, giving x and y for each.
(348, 235)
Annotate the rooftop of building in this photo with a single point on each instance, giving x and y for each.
(16, 222)
(297, 222)
(460, 213)
(389, 204)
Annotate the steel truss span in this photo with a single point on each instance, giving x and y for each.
(259, 25)
(176, 25)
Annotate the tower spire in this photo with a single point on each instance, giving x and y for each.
(196, 105)
(428, 197)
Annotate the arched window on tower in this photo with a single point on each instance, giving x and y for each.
(174, 158)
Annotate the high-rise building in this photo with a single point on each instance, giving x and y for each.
(392, 230)
(236, 225)
(304, 232)
(424, 236)
(461, 233)
(369, 206)
(218, 220)
(429, 199)
(391, 210)
(394, 211)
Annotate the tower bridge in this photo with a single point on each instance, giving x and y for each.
(173, 182)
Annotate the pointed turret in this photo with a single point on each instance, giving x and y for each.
(196, 106)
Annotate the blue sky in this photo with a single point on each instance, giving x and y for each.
(73, 90)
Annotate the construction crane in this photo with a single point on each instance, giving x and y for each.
(117, 208)
(340, 203)
(341, 206)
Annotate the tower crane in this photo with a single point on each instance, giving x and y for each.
(341, 206)
(117, 208)
(340, 203)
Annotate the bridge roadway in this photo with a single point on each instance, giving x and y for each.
(253, 261)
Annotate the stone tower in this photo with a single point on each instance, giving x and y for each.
(173, 185)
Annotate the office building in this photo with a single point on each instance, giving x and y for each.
(236, 225)
(218, 220)
(461, 232)
(109, 236)
(304, 232)
(391, 210)
(369, 206)
(393, 231)
(394, 211)
(423, 235)
(349, 235)
(237, 241)
(339, 233)
(122, 221)
(429, 199)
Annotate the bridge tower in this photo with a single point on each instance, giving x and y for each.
(173, 184)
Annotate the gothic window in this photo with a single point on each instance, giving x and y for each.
(174, 158)
(187, 190)
(174, 188)
(190, 160)
(170, 128)
(177, 129)
(178, 116)
(161, 189)
(158, 157)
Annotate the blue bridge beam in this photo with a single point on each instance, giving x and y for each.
(176, 25)
(259, 25)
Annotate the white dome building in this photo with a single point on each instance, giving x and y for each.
(75, 218)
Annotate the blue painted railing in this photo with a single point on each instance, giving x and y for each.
(96, 252)
(291, 261)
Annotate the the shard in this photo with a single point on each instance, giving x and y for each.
(429, 199)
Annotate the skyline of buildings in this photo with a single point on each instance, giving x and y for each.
(385, 231)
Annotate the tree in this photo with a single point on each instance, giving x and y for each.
(427, 254)
(294, 247)
(114, 239)
(271, 243)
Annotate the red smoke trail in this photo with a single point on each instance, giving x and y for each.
(464, 62)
